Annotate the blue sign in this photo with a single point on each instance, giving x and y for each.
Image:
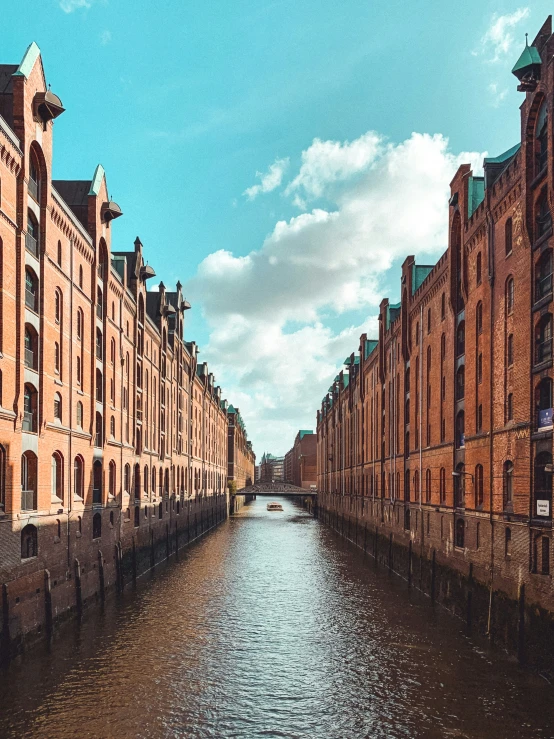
(545, 418)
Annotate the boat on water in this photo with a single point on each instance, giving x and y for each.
(274, 507)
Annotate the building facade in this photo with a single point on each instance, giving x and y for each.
(113, 436)
(301, 461)
(438, 431)
(272, 468)
(240, 455)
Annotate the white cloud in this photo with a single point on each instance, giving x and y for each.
(499, 38)
(68, 6)
(497, 96)
(271, 344)
(269, 181)
(105, 37)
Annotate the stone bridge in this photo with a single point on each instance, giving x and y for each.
(275, 488)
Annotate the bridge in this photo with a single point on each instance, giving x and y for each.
(275, 488)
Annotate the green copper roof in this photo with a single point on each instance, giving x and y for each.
(99, 175)
(305, 433)
(419, 274)
(369, 347)
(347, 361)
(28, 61)
(230, 409)
(503, 157)
(345, 379)
(529, 56)
(475, 194)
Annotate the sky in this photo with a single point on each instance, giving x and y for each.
(280, 158)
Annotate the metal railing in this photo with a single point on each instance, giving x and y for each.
(543, 287)
(30, 359)
(31, 300)
(28, 500)
(543, 351)
(31, 244)
(29, 421)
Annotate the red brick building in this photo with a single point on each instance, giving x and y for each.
(113, 436)
(439, 429)
(241, 459)
(301, 460)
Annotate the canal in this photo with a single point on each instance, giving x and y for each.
(270, 626)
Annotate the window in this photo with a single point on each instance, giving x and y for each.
(543, 217)
(31, 347)
(480, 369)
(99, 352)
(32, 235)
(461, 339)
(98, 434)
(99, 303)
(428, 486)
(543, 339)
(112, 479)
(442, 485)
(479, 318)
(460, 533)
(510, 407)
(510, 350)
(460, 382)
(127, 478)
(443, 307)
(97, 482)
(542, 488)
(29, 541)
(29, 409)
(97, 526)
(543, 399)
(112, 351)
(479, 417)
(34, 177)
(543, 275)
(56, 358)
(79, 324)
(478, 269)
(460, 430)
(508, 482)
(29, 481)
(508, 231)
(99, 386)
(429, 320)
(78, 479)
(81, 277)
(510, 295)
(57, 407)
(478, 485)
(459, 486)
(57, 476)
(31, 290)
(112, 427)
(79, 371)
(59, 254)
(57, 306)
(541, 134)
(417, 334)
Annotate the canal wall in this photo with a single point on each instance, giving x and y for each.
(236, 502)
(504, 609)
(75, 573)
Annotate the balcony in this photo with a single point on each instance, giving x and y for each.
(544, 419)
(543, 287)
(31, 300)
(31, 244)
(28, 500)
(543, 351)
(29, 421)
(33, 188)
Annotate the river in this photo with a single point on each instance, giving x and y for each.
(270, 626)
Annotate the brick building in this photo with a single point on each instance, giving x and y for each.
(439, 430)
(301, 460)
(241, 459)
(113, 436)
(272, 468)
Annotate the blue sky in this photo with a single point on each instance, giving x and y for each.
(204, 116)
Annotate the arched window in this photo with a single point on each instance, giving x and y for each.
(127, 479)
(508, 483)
(31, 347)
(112, 479)
(406, 485)
(443, 307)
(137, 485)
(97, 482)
(81, 276)
(99, 431)
(59, 254)
(97, 526)
(510, 295)
(99, 344)
(442, 485)
(112, 427)
(543, 275)
(541, 135)
(478, 269)
(460, 533)
(32, 235)
(428, 320)
(112, 351)
(510, 407)
(57, 358)
(99, 303)
(459, 486)
(166, 487)
(57, 306)
(78, 478)
(460, 382)
(543, 400)
(29, 408)
(29, 481)
(145, 481)
(57, 476)
(29, 541)
(542, 487)
(479, 318)
(510, 350)
(508, 236)
(428, 486)
(460, 430)
(57, 407)
(153, 481)
(461, 339)
(34, 176)
(543, 217)
(543, 339)
(99, 386)
(478, 485)
(31, 290)
(79, 324)
(79, 414)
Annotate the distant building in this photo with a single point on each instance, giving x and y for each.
(240, 456)
(272, 469)
(301, 460)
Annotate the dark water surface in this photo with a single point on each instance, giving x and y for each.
(271, 626)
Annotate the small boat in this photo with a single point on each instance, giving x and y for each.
(274, 507)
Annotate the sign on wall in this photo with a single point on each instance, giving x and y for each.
(543, 507)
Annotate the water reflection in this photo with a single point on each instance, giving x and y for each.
(271, 626)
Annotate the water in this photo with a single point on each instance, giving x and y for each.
(271, 626)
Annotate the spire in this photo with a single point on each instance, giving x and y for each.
(528, 68)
